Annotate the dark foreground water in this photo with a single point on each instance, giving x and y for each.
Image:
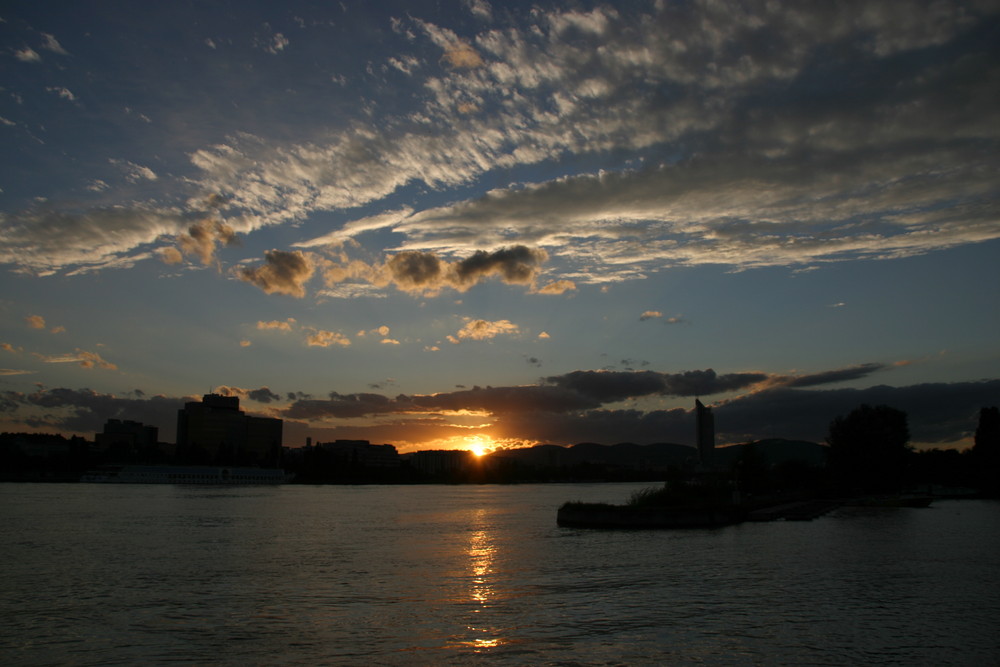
(106, 574)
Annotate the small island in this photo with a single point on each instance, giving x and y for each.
(706, 503)
(868, 452)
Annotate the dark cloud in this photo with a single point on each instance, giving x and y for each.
(565, 411)
(829, 377)
(504, 400)
(937, 412)
(415, 271)
(708, 382)
(517, 265)
(603, 426)
(262, 395)
(85, 411)
(611, 386)
(573, 392)
(284, 273)
(344, 406)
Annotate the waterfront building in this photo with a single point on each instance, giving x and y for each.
(215, 430)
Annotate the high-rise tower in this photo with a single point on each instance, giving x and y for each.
(705, 434)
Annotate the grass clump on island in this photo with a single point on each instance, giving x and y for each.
(677, 496)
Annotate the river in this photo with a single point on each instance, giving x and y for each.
(454, 575)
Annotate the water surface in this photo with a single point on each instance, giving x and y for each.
(399, 575)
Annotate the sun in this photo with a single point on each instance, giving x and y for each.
(479, 444)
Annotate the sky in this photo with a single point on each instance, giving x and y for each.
(472, 224)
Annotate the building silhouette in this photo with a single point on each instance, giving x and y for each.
(129, 441)
(442, 461)
(361, 454)
(127, 434)
(216, 431)
(705, 434)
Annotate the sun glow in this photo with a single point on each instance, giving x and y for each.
(479, 444)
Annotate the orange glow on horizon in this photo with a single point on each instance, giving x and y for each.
(479, 444)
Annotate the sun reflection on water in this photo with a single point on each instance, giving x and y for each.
(482, 553)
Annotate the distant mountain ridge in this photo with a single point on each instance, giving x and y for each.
(661, 454)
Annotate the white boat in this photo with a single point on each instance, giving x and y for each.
(136, 474)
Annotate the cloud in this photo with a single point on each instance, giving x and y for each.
(426, 273)
(35, 321)
(579, 406)
(460, 55)
(283, 273)
(262, 395)
(134, 172)
(201, 239)
(650, 315)
(321, 338)
(11, 371)
(82, 357)
(557, 287)
(64, 93)
(344, 406)
(613, 386)
(485, 330)
(52, 44)
(516, 265)
(170, 255)
(479, 8)
(753, 137)
(406, 65)
(938, 413)
(277, 44)
(86, 411)
(413, 271)
(43, 240)
(339, 236)
(833, 376)
(285, 325)
(27, 55)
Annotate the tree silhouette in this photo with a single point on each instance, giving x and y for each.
(986, 451)
(868, 448)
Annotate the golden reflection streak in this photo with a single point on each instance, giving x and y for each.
(482, 552)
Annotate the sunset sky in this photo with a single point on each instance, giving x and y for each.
(462, 223)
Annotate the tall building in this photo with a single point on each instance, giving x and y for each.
(705, 422)
(215, 430)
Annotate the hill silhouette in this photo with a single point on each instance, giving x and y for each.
(661, 455)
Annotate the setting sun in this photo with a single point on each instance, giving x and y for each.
(479, 445)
